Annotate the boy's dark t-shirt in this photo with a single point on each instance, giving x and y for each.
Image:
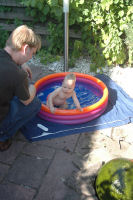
(13, 82)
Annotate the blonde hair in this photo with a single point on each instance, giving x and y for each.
(70, 76)
(23, 35)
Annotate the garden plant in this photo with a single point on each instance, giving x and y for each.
(105, 26)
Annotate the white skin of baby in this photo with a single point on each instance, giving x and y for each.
(58, 97)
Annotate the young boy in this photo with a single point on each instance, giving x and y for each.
(58, 97)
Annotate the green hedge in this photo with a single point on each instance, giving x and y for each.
(103, 25)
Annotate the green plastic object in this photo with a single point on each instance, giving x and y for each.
(115, 180)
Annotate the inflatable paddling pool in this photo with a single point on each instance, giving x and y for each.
(91, 92)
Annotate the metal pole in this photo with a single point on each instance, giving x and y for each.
(66, 33)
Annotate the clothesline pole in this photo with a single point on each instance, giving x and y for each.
(66, 33)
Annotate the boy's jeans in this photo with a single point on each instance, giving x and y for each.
(18, 115)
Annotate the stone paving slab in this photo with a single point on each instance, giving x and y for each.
(39, 151)
(3, 171)
(11, 154)
(66, 143)
(10, 191)
(53, 186)
(28, 171)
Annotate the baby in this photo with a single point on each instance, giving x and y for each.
(58, 97)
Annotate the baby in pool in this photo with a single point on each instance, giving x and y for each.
(57, 98)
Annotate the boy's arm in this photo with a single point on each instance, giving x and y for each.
(76, 101)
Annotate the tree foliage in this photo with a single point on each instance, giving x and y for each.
(102, 24)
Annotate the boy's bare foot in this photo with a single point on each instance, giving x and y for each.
(5, 145)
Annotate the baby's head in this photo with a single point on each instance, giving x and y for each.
(71, 77)
(69, 82)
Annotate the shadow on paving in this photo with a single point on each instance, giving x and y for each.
(54, 169)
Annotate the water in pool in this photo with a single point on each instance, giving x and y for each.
(86, 93)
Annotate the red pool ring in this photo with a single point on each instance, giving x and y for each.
(74, 116)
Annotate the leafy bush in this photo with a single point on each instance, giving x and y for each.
(45, 57)
(3, 37)
(129, 42)
(102, 24)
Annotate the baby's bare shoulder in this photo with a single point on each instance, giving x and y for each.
(56, 91)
